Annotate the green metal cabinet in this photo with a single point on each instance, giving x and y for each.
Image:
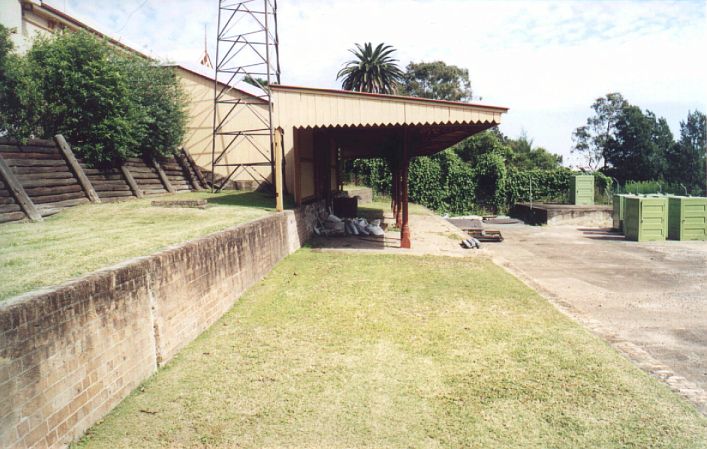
(687, 218)
(645, 218)
(619, 204)
(582, 189)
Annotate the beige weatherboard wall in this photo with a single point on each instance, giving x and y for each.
(199, 89)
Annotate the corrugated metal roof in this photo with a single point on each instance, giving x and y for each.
(306, 107)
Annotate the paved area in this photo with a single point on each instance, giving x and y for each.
(431, 235)
(648, 299)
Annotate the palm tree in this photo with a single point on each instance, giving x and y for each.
(373, 70)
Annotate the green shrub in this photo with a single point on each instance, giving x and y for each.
(161, 105)
(490, 173)
(544, 185)
(109, 104)
(373, 173)
(428, 186)
(603, 188)
(458, 183)
(19, 94)
(445, 183)
(442, 182)
(86, 96)
(645, 187)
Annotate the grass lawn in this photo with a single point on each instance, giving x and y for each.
(82, 239)
(380, 204)
(333, 351)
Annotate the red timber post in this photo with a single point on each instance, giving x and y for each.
(405, 228)
(398, 198)
(393, 190)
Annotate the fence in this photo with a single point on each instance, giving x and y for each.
(42, 177)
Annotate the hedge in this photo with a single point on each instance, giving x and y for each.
(447, 184)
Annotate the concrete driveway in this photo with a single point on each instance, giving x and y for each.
(649, 300)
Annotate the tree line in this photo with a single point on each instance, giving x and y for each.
(631, 144)
(620, 141)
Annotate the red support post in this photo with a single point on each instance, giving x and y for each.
(393, 191)
(405, 228)
(399, 199)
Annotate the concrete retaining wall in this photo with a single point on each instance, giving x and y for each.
(563, 214)
(69, 354)
(364, 194)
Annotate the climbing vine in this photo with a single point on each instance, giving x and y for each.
(445, 183)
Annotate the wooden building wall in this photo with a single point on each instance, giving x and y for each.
(198, 140)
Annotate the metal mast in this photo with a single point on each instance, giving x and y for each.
(247, 48)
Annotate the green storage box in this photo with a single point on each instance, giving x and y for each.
(645, 218)
(687, 218)
(619, 203)
(582, 190)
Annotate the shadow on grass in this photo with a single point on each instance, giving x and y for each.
(251, 199)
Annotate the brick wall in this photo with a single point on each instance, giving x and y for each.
(69, 354)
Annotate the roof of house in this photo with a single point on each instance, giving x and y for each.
(243, 88)
(74, 22)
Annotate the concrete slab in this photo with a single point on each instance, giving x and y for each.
(563, 214)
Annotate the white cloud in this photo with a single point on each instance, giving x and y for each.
(545, 60)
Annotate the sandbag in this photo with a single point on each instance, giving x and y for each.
(375, 230)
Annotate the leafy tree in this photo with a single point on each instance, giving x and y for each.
(686, 158)
(255, 81)
(18, 93)
(161, 105)
(472, 148)
(372, 70)
(87, 97)
(518, 153)
(436, 80)
(524, 156)
(637, 149)
(109, 104)
(6, 45)
(592, 139)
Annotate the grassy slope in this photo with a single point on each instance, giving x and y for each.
(85, 238)
(363, 351)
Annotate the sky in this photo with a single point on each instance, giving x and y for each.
(545, 60)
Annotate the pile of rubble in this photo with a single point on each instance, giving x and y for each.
(329, 225)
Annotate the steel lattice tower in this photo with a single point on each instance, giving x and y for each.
(247, 47)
